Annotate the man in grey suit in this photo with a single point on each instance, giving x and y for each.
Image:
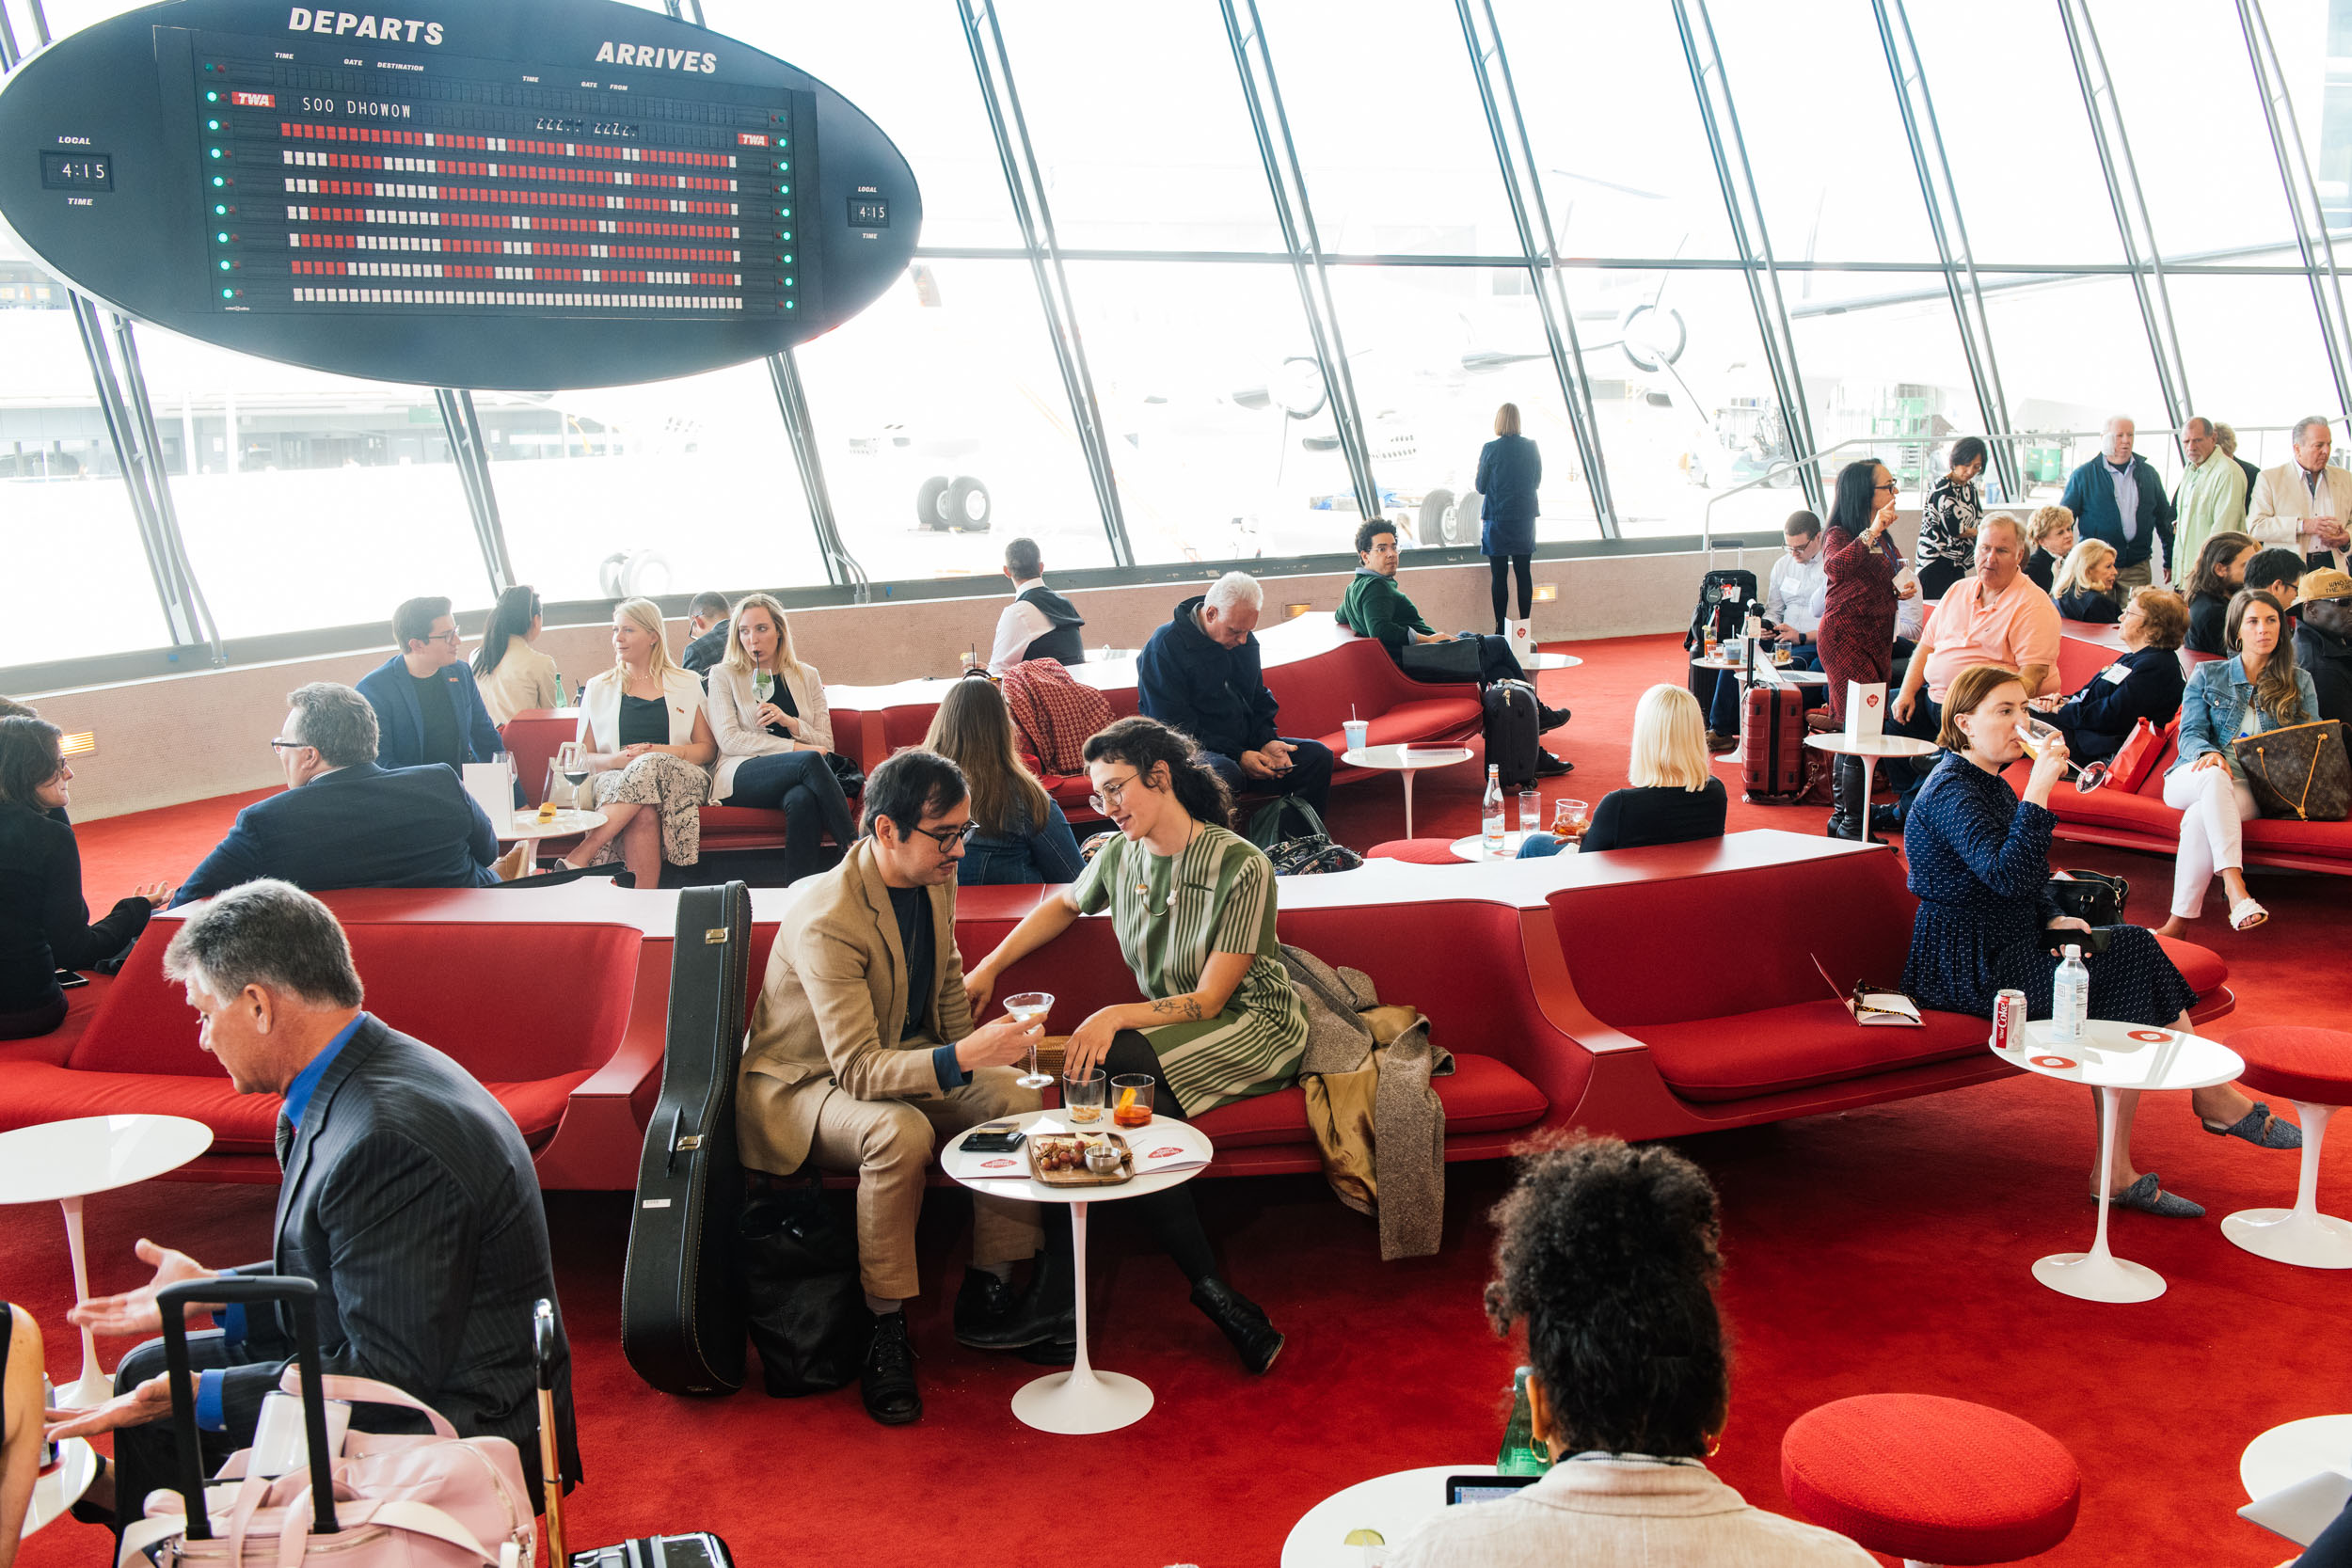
(407, 1198)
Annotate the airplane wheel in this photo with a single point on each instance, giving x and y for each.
(966, 507)
(927, 511)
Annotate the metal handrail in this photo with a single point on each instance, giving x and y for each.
(861, 586)
(1707, 518)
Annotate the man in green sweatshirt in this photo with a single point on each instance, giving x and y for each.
(1375, 607)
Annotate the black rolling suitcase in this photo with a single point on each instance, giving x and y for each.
(681, 1303)
(691, 1549)
(1514, 727)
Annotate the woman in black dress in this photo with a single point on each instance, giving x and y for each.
(2219, 571)
(2145, 683)
(1981, 865)
(1509, 470)
(2085, 585)
(44, 925)
(2051, 531)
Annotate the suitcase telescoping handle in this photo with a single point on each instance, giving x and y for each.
(300, 1295)
(550, 1473)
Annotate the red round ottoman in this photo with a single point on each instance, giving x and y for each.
(1930, 1479)
(2313, 1069)
(1416, 851)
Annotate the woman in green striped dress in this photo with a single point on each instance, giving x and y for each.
(1193, 905)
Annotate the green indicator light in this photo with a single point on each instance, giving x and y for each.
(212, 125)
(786, 235)
(223, 238)
(788, 255)
(224, 266)
(216, 151)
(211, 97)
(787, 305)
(788, 283)
(785, 166)
(229, 294)
(785, 214)
(784, 190)
(218, 181)
(219, 211)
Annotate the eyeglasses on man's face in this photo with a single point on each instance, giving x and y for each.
(289, 745)
(448, 637)
(949, 839)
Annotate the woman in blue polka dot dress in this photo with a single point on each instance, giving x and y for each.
(1981, 865)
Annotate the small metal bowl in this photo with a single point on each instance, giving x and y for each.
(1101, 1159)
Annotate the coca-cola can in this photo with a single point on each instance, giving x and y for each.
(2009, 1020)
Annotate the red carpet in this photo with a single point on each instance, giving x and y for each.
(1881, 1250)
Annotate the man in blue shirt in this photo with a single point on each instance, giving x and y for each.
(427, 707)
(2118, 498)
(1200, 674)
(343, 821)
(409, 1199)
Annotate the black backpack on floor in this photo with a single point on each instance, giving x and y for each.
(1723, 606)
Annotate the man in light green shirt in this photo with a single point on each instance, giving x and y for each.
(2211, 496)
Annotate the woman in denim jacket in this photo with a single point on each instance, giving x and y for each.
(2259, 688)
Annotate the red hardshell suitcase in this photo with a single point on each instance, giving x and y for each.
(1772, 744)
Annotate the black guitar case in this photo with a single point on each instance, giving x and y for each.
(681, 1303)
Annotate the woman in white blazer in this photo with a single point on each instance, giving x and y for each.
(771, 747)
(650, 749)
(511, 675)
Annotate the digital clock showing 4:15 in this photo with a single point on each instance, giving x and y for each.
(77, 172)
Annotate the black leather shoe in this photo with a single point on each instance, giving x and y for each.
(1254, 1339)
(887, 1381)
(1550, 718)
(1047, 1310)
(1888, 820)
(1051, 1353)
(982, 1303)
(1550, 766)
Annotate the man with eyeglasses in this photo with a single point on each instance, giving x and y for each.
(864, 1053)
(343, 821)
(427, 708)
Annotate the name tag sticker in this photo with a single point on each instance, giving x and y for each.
(2115, 675)
(655, 1203)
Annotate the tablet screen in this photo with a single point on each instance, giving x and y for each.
(1483, 1489)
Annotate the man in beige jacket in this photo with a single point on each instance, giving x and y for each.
(863, 1053)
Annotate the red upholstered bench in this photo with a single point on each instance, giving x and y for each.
(2313, 1068)
(1930, 1479)
(1738, 1017)
(546, 1005)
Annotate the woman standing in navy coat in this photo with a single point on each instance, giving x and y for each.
(1981, 865)
(1509, 468)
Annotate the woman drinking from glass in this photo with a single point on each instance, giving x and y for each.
(1193, 905)
(1981, 863)
(768, 718)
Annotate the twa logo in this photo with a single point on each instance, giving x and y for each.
(1871, 701)
(1164, 1154)
(995, 1164)
(2155, 1037)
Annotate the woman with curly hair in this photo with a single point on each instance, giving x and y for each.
(1193, 905)
(1608, 1253)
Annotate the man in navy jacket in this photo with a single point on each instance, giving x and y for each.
(2095, 494)
(1200, 674)
(427, 671)
(345, 822)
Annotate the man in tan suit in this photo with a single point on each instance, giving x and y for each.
(2303, 504)
(863, 1054)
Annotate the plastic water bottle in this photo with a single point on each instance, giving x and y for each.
(2069, 996)
(1490, 813)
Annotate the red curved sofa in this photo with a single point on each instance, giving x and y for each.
(2139, 819)
(1597, 990)
(1319, 672)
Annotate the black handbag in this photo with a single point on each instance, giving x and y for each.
(1457, 659)
(2093, 897)
(807, 1308)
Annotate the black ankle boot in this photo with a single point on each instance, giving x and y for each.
(1255, 1339)
(1046, 1311)
(887, 1381)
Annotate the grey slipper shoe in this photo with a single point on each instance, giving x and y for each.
(2147, 1195)
(2259, 1128)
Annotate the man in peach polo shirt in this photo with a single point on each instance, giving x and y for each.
(2002, 617)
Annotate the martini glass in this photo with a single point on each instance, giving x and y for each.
(1026, 1006)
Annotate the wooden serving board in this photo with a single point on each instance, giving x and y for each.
(1082, 1177)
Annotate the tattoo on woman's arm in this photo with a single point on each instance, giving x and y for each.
(1182, 1006)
